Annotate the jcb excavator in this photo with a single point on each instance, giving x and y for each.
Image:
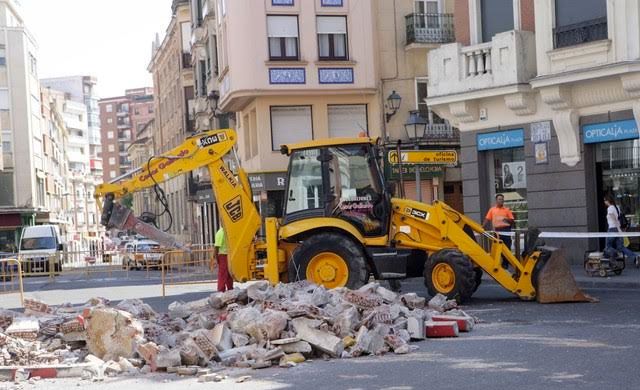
(341, 224)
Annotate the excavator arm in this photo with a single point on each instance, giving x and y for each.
(231, 191)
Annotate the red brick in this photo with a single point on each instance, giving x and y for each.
(441, 329)
(465, 324)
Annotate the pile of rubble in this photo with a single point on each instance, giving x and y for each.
(256, 327)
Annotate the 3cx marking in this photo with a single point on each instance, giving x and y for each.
(419, 214)
(209, 140)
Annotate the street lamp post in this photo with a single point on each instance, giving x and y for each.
(416, 126)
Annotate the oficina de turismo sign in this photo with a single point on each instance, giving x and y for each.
(610, 131)
(501, 139)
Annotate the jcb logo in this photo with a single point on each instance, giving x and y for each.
(234, 209)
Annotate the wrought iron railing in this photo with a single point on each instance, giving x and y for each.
(430, 28)
(575, 34)
(442, 132)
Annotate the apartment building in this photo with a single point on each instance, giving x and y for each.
(545, 95)
(294, 71)
(172, 73)
(82, 89)
(117, 119)
(22, 177)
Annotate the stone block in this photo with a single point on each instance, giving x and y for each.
(221, 337)
(299, 346)
(413, 301)
(168, 358)
(416, 329)
(324, 341)
(387, 295)
(112, 333)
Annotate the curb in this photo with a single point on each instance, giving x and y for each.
(8, 373)
(598, 282)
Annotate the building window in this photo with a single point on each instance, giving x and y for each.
(150, 110)
(281, 2)
(421, 104)
(112, 174)
(3, 55)
(4, 100)
(580, 21)
(290, 124)
(109, 134)
(347, 120)
(33, 65)
(332, 37)
(283, 37)
(112, 148)
(109, 120)
(112, 161)
(497, 17)
(109, 108)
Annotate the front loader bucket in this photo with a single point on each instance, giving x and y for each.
(554, 282)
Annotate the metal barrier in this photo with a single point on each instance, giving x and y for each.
(11, 277)
(188, 267)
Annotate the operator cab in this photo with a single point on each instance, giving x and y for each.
(338, 181)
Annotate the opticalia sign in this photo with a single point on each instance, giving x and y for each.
(610, 131)
(501, 139)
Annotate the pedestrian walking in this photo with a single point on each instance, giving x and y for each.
(613, 226)
(225, 282)
(501, 219)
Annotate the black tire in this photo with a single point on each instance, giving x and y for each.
(477, 277)
(350, 252)
(462, 266)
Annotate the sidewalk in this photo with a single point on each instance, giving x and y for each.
(629, 279)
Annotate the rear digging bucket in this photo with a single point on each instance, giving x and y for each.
(555, 282)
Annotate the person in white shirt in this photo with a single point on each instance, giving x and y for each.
(613, 224)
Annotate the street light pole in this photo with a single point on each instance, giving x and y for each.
(417, 168)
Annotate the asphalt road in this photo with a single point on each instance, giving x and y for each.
(521, 345)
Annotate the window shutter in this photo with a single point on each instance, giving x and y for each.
(347, 120)
(290, 125)
(332, 25)
(282, 26)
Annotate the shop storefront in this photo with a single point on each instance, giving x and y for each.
(268, 192)
(616, 148)
(503, 153)
(523, 163)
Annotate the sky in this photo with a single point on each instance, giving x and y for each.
(108, 39)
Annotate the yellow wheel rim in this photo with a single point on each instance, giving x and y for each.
(444, 278)
(328, 269)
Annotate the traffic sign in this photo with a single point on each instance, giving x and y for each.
(446, 157)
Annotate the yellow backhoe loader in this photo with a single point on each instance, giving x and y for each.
(341, 224)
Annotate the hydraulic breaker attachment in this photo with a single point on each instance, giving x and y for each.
(115, 215)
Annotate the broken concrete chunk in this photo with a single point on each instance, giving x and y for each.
(387, 295)
(415, 328)
(149, 352)
(239, 320)
(187, 371)
(299, 346)
(413, 301)
(441, 303)
(112, 333)
(202, 339)
(178, 309)
(137, 308)
(168, 358)
(396, 343)
(221, 299)
(34, 307)
(24, 328)
(268, 326)
(346, 321)
(292, 358)
(239, 339)
(363, 299)
(285, 341)
(221, 337)
(112, 368)
(324, 341)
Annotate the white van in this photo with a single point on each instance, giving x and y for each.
(37, 245)
(142, 253)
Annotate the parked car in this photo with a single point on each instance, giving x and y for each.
(39, 244)
(141, 254)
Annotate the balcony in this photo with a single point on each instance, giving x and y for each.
(429, 28)
(508, 60)
(442, 133)
(575, 34)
